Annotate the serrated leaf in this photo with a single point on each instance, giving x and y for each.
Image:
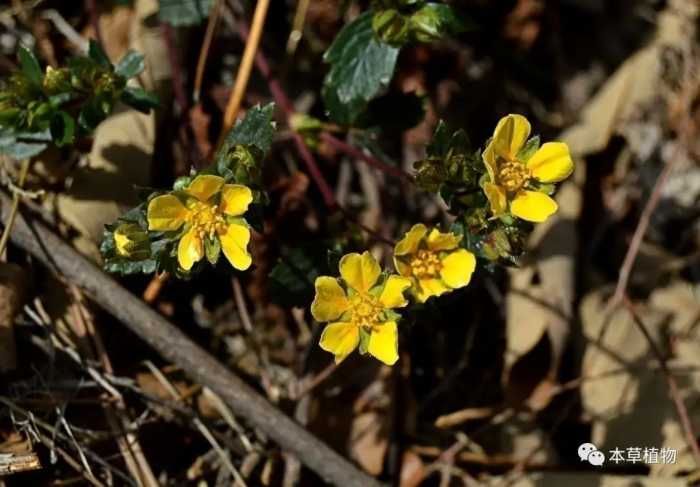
(140, 99)
(30, 66)
(96, 53)
(130, 65)
(255, 129)
(361, 68)
(184, 12)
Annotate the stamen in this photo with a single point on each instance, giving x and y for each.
(425, 264)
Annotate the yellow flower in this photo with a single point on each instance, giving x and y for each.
(510, 173)
(211, 215)
(433, 261)
(359, 309)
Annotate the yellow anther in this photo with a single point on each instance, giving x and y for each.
(365, 310)
(513, 175)
(425, 264)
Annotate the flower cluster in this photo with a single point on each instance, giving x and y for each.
(359, 305)
(493, 194)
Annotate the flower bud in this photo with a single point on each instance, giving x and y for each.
(56, 81)
(131, 241)
(391, 27)
(425, 25)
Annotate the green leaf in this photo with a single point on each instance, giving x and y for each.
(364, 341)
(255, 129)
(140, 99)
(361, 68)
(184, 12)
(62, 129)
(30, 66)
(529, 149)
(96, 53)
(292, 278)
(130, 65)
(23, 145)
(245, 146)
(212, 249)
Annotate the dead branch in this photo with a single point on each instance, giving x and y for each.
(173, 345)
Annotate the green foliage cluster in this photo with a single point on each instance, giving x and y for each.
(238, 161)
(59, 105)
(363, 56)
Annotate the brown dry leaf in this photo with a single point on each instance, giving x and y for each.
(680, 301)
(538, 323)
(13, 284)
(634, 84)
(412, 470)
(121, 154)
(623, 387)
(369, 442)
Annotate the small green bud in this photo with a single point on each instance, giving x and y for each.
(430, 174)
(425, 25)
(391, 27)
(56, 81)
(181, 183)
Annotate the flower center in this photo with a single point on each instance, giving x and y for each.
(365, 310)
(206, 219)
(425, 264)
(513, 175)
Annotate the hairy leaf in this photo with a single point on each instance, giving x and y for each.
(361, 68)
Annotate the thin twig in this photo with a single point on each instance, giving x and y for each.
(308, 385)
(362, 155)
(686, 424)
(246, 66)
(94, 14)
(204, 51)
(24, 169)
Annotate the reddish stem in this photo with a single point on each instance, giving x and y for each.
(359, 154)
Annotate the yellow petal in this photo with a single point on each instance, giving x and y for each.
(340, 339)
(235, 199)
(551, 163)
(360, 271)
(402, 268)
(205, 186)
(330, 301)
(457, 268)
(429, 287)
(533, 206)
(409, 243)
(384, 342)
(509, 137)
(189, 250)
(442, 241)
(497, 198)
(166, 213)
(392, 295)
(234, 241)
